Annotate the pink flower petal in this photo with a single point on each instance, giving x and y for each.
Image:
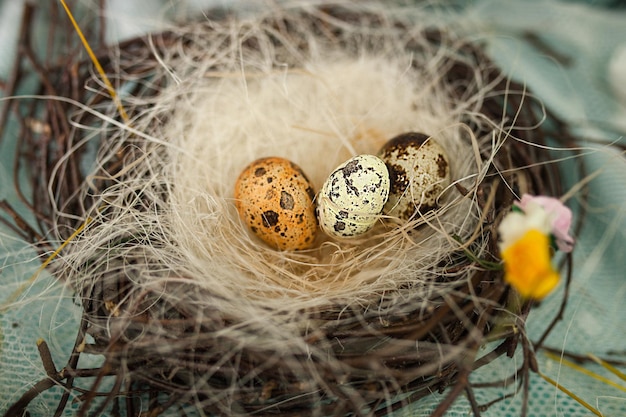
(560, 216)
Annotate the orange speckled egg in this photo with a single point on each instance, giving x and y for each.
(275, 200)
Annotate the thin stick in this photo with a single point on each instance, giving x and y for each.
(472, 400)
(15, 76)
(19, 226)
(72, 363)
(52, 379)
(19, 408)
(46, 359)
(559, 316)
(461, 383)
(582, 358)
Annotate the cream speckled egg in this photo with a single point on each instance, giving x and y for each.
(419, 171)
(353, 196)
(275, 200)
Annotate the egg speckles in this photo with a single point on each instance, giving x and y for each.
(275, 200)
(419, 171)
(353, 196)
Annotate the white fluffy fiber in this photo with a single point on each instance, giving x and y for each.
(228, 104)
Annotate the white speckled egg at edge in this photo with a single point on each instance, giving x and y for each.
(419, 172)
(353, 196)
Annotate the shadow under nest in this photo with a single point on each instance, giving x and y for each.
(169, 353)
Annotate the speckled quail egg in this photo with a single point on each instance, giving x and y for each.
(419, 171)
(353, 196)
(275, 200)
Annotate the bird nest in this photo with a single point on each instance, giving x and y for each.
(186, 308)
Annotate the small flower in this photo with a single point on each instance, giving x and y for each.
(560, 218)
(527, 265)
(525, 244)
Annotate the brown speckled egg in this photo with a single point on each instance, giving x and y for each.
(419, 171)
(275, 200)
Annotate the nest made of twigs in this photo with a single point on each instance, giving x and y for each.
(177, 344)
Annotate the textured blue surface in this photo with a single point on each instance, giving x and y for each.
(568, 53)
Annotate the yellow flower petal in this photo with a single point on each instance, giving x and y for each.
(527, 265)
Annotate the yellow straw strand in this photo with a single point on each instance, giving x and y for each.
(571, 394)
(43, 266)
(608, 366)
(96, 63)
(585, 371)
(123, 115)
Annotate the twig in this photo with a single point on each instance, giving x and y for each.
(461, 383)
(559, 316)
(16, 72)
(51, 380)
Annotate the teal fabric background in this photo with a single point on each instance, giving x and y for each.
(575, 61)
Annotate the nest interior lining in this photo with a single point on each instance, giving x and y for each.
(316, 110)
